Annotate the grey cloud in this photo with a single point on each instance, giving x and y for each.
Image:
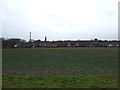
(15, 24)
(59, 20)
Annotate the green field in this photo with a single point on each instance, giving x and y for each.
(60, 64)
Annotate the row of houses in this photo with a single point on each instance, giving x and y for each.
(18, 43)
(83, 43)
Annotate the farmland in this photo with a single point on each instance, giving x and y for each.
(60, 62)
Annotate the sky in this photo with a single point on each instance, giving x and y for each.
(59, 19)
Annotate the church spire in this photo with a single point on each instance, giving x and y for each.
(45, 38)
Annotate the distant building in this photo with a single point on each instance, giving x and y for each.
(69, 44)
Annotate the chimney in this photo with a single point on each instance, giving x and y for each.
(30, 37)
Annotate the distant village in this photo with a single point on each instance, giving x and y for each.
(19, 43)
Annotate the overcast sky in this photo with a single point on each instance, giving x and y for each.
(59, 19)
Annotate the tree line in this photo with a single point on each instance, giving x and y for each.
(10, 43)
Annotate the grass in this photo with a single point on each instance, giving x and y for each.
(12, 81)
(97, 67)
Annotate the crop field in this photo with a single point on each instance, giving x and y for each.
(60, 62)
